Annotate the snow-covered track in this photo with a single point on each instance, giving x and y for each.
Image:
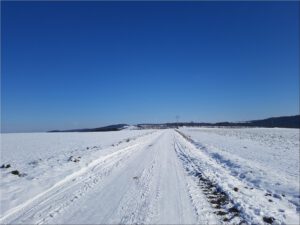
(223, 206)
(160, 177)
(49, 202)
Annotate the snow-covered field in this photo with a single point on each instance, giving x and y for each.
(263, 163)
(185, 176)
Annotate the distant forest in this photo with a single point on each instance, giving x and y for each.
(284, 122)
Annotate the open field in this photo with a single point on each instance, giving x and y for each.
(169, 176)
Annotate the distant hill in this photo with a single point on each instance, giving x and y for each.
(114, 127)
(283, 122)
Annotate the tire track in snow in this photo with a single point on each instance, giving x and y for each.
(250, 205)
(142, 183)
(30, 208)
(140, 197)
(220, 202)
(119, 198)
(158, 196)
(173, 205)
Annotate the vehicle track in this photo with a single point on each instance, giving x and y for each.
(148, 189)
(145, 182)
(222, 205)
(46, 205)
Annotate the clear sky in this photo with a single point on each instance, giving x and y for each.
(88, 64)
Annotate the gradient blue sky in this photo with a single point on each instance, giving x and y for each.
(87, 64)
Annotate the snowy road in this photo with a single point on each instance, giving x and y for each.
(157, 178)
(141, 183)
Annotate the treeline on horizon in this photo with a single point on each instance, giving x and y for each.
(282, 122)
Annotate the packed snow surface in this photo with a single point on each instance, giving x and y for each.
(184, 176)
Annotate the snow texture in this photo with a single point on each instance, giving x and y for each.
(185, 176)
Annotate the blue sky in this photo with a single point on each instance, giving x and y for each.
(87, 64)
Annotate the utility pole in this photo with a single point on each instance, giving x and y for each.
(177, 119)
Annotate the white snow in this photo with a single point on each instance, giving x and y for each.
(44, 157)
(265, 159)
(150, 176)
